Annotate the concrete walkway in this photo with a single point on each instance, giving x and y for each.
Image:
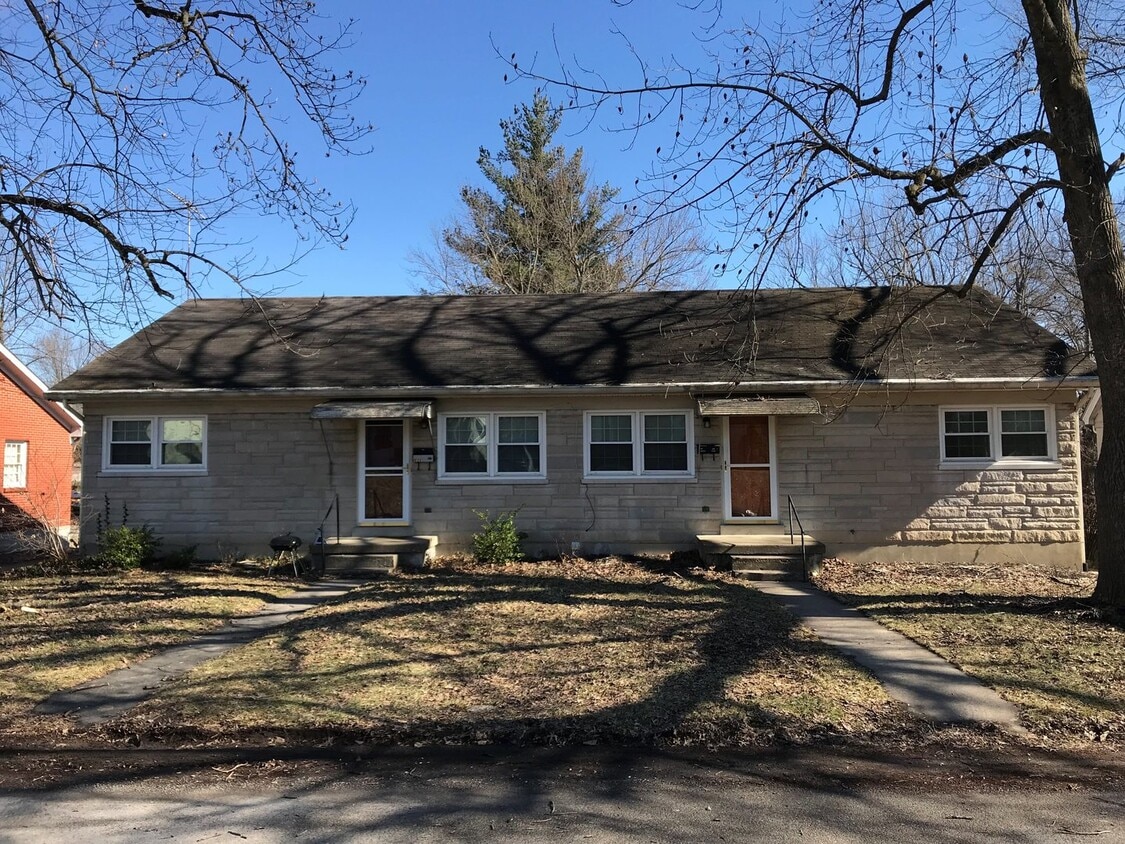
(921, 679)
(121, 690)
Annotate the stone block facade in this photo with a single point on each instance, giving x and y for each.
(868, 480)
(865, 476)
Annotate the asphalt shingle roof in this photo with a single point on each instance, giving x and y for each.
(695, 337)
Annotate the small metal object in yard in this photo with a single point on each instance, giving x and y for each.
(285, 551)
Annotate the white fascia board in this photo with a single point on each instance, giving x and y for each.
(1077, 381)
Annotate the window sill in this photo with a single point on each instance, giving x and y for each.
(638, 479)
(498, 481)
(162, 473)
(1003, 465)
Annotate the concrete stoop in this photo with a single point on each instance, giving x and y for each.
(367, 556)
(763, 556)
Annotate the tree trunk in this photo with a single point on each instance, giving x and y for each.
(1095, 237)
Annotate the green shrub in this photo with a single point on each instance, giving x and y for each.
(123, 546)
(497, 541)
(127, 547)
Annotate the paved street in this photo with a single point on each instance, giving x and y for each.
(572, 795)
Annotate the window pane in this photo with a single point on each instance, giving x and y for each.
(611, 429)
(518, 429)
(183, 430)
(666, 457)
(130, 454)
(976, 445)
(966, 421)
(465, 430)
(1024, 445)
(1023, 421)
(183, 454)
(466, 458)
(131, 431)
(749, 439)
(382, 497)
(517, 458)
(611, 458)
(15, 465)
(1023, 433)
(382, 444)
(967, 435)
(665, 428)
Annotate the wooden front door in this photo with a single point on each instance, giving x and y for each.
(751, 481)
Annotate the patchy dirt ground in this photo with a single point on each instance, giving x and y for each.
(573, 653)
(535, 653)
(1031, 634)
(60, 631)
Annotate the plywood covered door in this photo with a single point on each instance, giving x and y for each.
(751, 483)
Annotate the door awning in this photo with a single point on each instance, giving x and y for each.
(759, 406)
(373, 410)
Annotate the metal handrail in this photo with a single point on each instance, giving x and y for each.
(793, 514)
(319, 542)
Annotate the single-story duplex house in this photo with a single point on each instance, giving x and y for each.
(897, 424)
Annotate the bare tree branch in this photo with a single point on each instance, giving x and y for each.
(130, 133)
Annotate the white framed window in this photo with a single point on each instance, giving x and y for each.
(638, 443)
(479, 446)
(15, 464)
(998, 434)
(161, 443)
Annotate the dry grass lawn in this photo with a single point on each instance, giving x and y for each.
(1024, 631)
(560, 652)
(85, 625)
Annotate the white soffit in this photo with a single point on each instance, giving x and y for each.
(373, 410)
(757, 406)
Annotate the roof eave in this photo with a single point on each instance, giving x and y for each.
(985, 383)
(34, 388)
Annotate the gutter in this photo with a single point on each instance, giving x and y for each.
(740, 387)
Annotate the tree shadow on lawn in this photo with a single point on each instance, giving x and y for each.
(684, 639)
(70, 590)
(1070, 609)
(86, 627)
(738, 630)
(1005, 653)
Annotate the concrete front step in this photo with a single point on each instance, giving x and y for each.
(769, 574)
(757, 545)
(762, 556)
(364, 555)
(776, 562)
(359, 565)
(774, 567)
(752, 529)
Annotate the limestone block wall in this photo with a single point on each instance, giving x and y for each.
(272, 469)
(267, 473)
(868, 480)
(601, 516)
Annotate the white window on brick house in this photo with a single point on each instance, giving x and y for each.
(163, 443)
(638, 443)
(483, 446)
(15, 464)
(997, 434)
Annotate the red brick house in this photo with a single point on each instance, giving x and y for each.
(37, 437)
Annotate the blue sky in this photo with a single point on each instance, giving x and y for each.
(435, 94)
